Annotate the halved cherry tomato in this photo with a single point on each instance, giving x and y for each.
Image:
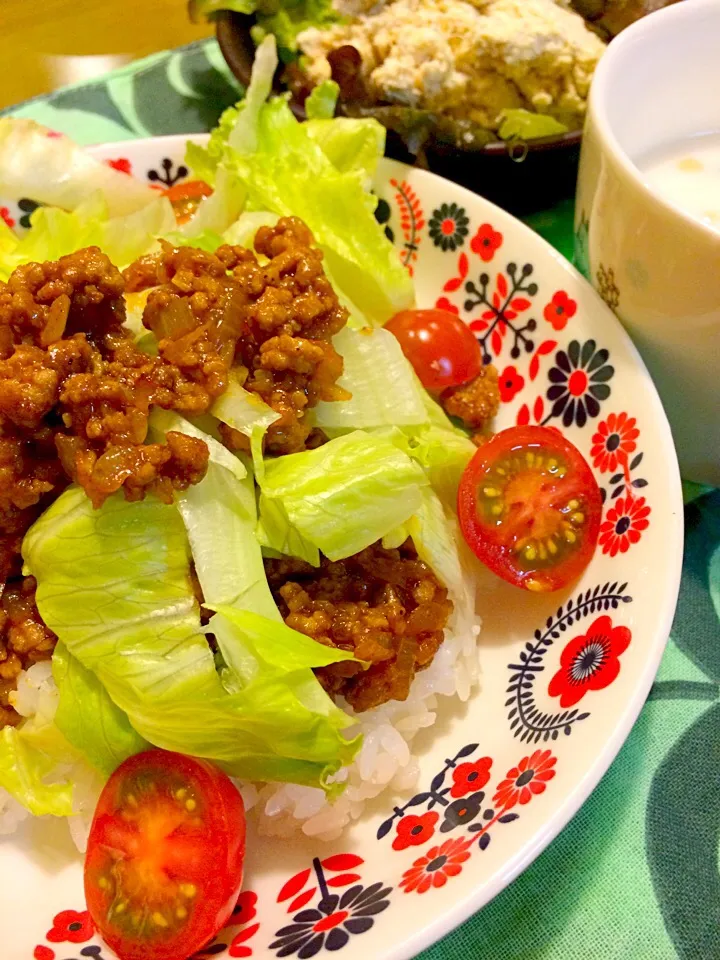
(185, 198)
(442, 349)
(165, 856)
(529, 508)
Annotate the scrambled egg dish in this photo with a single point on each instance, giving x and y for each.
(467, 59)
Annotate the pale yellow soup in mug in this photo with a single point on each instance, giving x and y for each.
(687, 174)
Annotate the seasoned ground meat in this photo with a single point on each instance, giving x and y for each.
(75, 395)
(280, 312)
(43, 302)
(385, 606)
(69, 371)
(476, 402)
(24, 640)
(76, 392)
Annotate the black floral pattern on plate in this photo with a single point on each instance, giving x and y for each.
(167, 175)
(579, 382)
(448, 226)
(335, 918)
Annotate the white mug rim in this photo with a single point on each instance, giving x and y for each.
(598, 108)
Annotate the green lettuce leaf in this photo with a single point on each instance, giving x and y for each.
(385, 391)
(218, 211)
(23, 773)
(348, 493)
(285, 19)
(527, 125)
(242, 232)
(436, 535)
(52, 169)
(443, 454)
(248, 414)
(164, 421)
(204, 161)
(320, 104)
(114, 585)
(55, 232)
(286, 172)
(275, 532)
(349, 144)
(220, 515)
(206, 240)
(88, 718)
(270, 645)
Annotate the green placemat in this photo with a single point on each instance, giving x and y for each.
(635, 875)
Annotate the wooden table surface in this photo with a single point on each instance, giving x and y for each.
(49, 44)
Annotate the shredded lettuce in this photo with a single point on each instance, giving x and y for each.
(206, 240)
(443, 454)
(349, 144)
(204, 161)
(218, 211)
(114, 585)
(23, 773)
(55, 232)
(288, 653)
(242, 232)
(285, 171)
(276, 533)
(50, 168)
(436, 535)
(348, 493)
(163, 421)
(388, 400)
(220, 516)
(320, 103)
(385, 391)
(88, 718)
(249, 415)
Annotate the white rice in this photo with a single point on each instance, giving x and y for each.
(36, 699)
(385, 762)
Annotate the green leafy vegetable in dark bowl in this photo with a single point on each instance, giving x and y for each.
(533, 164)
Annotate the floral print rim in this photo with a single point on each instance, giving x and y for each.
(505, 789)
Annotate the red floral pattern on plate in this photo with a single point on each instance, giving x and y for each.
(434, 868)
(486, 242)
(414, 831)
(43, 953)
(121, 164)
(613, 442)
(469, 777)
(624, 524)
(589, 662)
(528, 779)
(412, 221)
(71, 926)
(560, 309)
(510, 383)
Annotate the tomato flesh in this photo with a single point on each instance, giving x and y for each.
(529, 508)
(442, 349)
(185, 198)
(164, 862)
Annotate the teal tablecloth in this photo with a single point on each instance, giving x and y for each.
(635, 875)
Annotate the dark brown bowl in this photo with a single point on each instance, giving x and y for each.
(522, 178)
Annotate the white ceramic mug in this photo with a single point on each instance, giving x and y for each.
(655, 266)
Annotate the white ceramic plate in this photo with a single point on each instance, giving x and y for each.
(564, 676)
